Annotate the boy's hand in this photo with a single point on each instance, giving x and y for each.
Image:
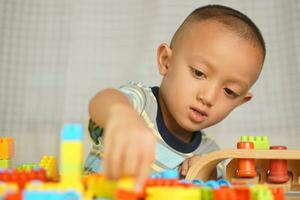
(129, 145)
(187, 164)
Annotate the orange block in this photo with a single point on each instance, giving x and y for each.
(7, 149)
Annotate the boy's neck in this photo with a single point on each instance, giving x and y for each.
(172, 125)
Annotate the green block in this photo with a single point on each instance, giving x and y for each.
(260, 142)
(28, 167)
(5, 163)
(206, 193)
(261, 193)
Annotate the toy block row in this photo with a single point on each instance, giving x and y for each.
(22, 177)
(28, 167)
(256, 192)
(6, 148)
(260, 142)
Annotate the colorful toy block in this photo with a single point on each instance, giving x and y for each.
(99, 186)
(71, 153)
(6, 148)
(174, 193)
(22, 177)
(5, 163)
(260, 142)
(260, 192)
(28, 167)
(50, 165)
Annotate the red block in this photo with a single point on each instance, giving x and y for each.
(224, 194)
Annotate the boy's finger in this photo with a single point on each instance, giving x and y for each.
(114, 160)
(131, 161)
(184, 167)
(142, 174)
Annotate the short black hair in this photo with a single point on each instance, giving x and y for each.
(230, 18)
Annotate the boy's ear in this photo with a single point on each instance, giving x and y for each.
(164, 53)
(246, 98)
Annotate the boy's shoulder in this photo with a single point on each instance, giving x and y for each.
(135, 85)
(140, 95)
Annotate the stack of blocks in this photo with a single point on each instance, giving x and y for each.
(71, 154)
(6, 152)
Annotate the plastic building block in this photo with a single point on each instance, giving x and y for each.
(206, 193)
(22, 177)
(6, 188)
(198, 182)
(28, 167)
(162, 182)
(50, 165)
(5, 163)
(174, 193)
(73, 132)
(246, 167)
(6, 148)
(260, 142)
(99, 186)
(171, 174)
(243, 193)
(278, 168)
(126, 183)
(260, 192)
(127, 195)
(71, 153)
(224, 194)
(212, 184)
(14, 196)
(223, 182)
(278, 193)
(51, 191)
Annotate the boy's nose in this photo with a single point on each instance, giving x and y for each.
(208, 94)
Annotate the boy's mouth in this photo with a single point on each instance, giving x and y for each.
(198, 115)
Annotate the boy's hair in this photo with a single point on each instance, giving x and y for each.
(230, 18)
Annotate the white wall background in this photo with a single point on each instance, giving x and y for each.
(56, 54)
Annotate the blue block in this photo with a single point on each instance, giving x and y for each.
(212, 184)
(170, 174)
(223, 182)
(198, 182)
(73, 132)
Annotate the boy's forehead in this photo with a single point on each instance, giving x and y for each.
(211, 39)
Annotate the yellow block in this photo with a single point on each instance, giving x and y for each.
(174, 193)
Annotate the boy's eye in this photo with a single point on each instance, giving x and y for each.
(197, 73)
(230, 93)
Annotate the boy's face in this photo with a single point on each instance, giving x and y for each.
(206, 74)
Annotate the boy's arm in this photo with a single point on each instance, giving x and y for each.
(129, 143)
(101, 104)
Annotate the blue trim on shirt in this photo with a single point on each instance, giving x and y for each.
(168, 137)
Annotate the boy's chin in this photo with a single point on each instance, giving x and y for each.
(191, 127)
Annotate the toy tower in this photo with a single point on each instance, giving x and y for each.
(71, 154)
(6, 152)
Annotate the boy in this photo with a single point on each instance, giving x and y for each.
(214, 58)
